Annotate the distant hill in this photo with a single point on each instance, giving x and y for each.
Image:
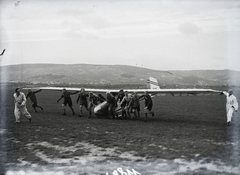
(113, 75)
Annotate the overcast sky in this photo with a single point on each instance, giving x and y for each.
(156, 34)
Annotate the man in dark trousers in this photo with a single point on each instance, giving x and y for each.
(92, 102)
(33, 98)
(148, 105)
(134, 105)
(112, 103)
(82, 99)
(125, 104)
(67, 100)
(119, 100)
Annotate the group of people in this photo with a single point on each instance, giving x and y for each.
(128, 103)
(131, 104)
(20, 104)
(87, 100)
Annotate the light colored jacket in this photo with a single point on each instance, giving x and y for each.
(231, 101)
(20, 100)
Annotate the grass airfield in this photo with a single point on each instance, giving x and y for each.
(187, 135)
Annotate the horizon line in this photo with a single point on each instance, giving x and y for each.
(202, 69)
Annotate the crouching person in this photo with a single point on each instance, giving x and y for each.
(20, 106)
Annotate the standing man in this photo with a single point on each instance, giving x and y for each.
(120, 96)
(82, 98)
(125, 104)
(148, 105)
(119, 100)
(33, 98)
(67, 100)
(112, 103)
(134, 104)
(20, 106)
(231, 105)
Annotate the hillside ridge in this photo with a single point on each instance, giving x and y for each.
(114, 74)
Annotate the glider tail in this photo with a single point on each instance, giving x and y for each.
(152, 83)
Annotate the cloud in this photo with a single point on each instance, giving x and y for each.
(189, 28)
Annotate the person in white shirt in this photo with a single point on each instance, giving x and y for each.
(231, 105)
(20, 105)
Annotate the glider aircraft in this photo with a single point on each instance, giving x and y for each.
(153, 89)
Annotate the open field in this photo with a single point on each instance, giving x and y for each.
(188, 135)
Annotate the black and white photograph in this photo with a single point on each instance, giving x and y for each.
(119, 87)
